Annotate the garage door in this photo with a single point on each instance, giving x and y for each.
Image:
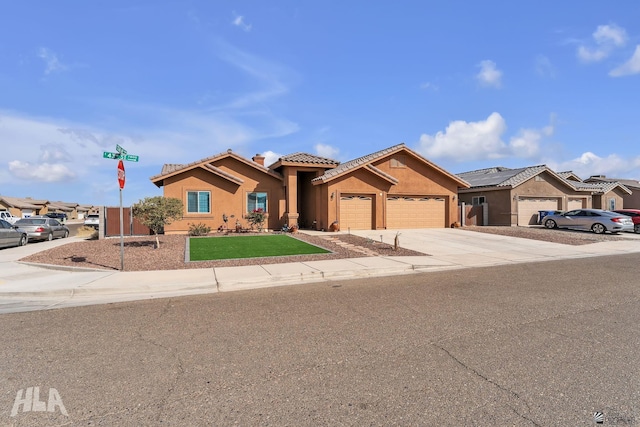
(574, 204)
(528, 209)
(356, 212)
(415, 212)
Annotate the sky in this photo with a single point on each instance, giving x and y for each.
(466, 84)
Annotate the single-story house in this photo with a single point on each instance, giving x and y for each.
(630, 201)
(23, 208)
(389, 189)
(515, 196)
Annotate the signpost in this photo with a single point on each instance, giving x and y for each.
(120, 155)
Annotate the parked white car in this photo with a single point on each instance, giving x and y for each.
(7, 216)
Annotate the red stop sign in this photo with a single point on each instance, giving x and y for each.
(121, 174)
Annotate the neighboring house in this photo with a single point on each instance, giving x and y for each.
(389, 189)
(23, 208)
(64, 207)
(515, 196)
(630, 201)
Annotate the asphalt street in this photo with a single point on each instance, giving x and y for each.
(536, 344)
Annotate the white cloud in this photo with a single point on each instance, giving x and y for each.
(429, 86)
(238, 21)
(468, 141)
(588, 164)
(489, 75)
(606, 38)
(544, 67)
(43, 172)
(52, 63)
(463, 141)
(270, 157)
(324, 150)
(610, 34)
(632, 66)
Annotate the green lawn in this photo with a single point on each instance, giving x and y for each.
(228, 247)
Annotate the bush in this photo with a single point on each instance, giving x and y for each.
(257, 218)
(199, 229)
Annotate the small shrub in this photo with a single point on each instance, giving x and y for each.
(256, 218)
(199, 229)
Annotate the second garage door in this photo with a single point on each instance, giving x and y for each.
(528, 209)
(356, 212)
(416, 212)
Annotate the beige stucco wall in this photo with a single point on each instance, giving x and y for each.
(503, 204)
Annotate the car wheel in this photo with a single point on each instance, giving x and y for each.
(23, 240)
(550, 224)
(636, 228)
(598, 228)
(65, 235)
(50, 237)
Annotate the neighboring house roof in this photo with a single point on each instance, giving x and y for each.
(174, 169)
(60, 207)
(570, 176)
(505, 177)
(501, 177)
(366, 161)
(626, 182)
(602, 187)
(27, 203)
(304, 159)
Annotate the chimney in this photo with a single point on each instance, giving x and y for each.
(258, 159)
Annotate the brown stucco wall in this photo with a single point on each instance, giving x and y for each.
(226, 197)
(632, 201)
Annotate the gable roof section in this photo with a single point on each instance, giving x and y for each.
(602, 187)
(16, 202)
(173, 169)
(569, 175)
(366, 162)
(633, 183)
(304, 159)
(502, 177)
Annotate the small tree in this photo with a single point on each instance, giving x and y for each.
(156, 212)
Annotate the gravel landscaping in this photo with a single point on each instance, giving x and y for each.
(141, 255)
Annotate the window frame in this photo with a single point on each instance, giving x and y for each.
(198, 201)
(256, 202)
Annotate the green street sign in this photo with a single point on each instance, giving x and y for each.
(130, 157)
(120, 150)
(108, 155)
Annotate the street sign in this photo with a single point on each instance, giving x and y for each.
(108, 155)
(121, 174)
(131, 157)
(120, 150)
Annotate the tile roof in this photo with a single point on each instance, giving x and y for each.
(356, 163)
(224, 174)
(23, 203)
(308, 158)
(495, 177)
(171, 168)
(626, 182)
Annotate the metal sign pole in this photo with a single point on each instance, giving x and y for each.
(121, 235)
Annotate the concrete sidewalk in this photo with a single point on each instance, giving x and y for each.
(26, 287)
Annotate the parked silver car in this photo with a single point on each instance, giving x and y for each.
(596, 220)
(92, 220)
(42, 228)
(11, 235)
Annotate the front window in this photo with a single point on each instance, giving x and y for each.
(198, 201)
(256, 201)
